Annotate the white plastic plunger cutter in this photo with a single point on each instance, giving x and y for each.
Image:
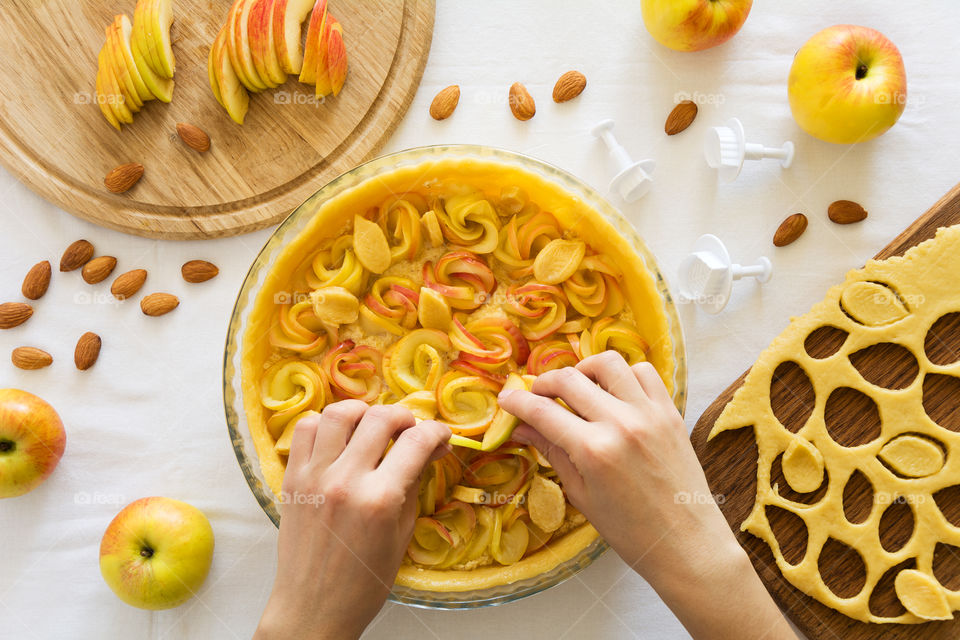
(707, 275)
(633, 178)
(725, 149)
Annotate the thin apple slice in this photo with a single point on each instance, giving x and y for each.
(212, 69)
(157, 30)
(322, 79)
(120, 71)
(122, 30)
(503, 423)
(115, 96)
(336, 57)
(236, 52)
(102, 98)
(288, 17)
(235, 98)
(241, 46)
(142, 34)
(161, 87)
(260, 34)
(311, 51)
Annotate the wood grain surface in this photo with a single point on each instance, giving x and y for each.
(55, 140)
(730, 463)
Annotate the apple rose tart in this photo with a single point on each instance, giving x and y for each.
(434, 287)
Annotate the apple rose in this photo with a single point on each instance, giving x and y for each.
(298, 329)
(442, 539)
(521, 240)
(553, 354)
(510, 536)
(463, 278)
(415, 361)
(400, 220)
(338, 266)
(390, 306)
(594, 288)
(290, 387)
(467, 403)
(489, 343)
(469, 221)
(618, 335)
(354, 371)
(541, 309)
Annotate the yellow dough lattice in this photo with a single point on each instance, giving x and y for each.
(907, 461)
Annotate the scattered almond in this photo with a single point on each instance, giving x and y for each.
(87, 351)
(123, 178)
(681, 117)
(14, 314)
(37, 280)
(790, 229)
(99, 269)
(199, 271)
(569, 86)
(194, 137)
(846, 212)
(445, 102)
(158, 304)
(76, 255)
(127, 284)
(521, 102)
(30, 358)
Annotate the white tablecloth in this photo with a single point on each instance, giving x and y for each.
(148, 418)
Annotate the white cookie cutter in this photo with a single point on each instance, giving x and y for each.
(633, 179)
(707, 275)
(725, 149)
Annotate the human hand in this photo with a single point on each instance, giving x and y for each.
(347, 517)
(625, 461)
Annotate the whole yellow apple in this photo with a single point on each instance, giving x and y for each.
(156, 553)
(32, 441)
(694, 25)
(847, 84)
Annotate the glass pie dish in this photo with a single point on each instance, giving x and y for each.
(426, 167)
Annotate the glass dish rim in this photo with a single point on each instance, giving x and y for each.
(232, 396)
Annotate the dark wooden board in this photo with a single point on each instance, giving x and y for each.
(730, 464)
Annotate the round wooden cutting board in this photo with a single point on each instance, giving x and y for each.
(54, 138)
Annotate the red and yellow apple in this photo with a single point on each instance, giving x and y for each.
(847, 84)
(32, 441)
(156, 553)
(694, 25)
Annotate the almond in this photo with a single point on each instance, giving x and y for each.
(790, 229)
(14, 314)
(123, 178)
(30, 358)
(681, 117)
(194, 137)
(158, 304)
(445, 102)
(76, 255)
(846, 212)
(198, 271)
(569, 86)
(127, 284)
(521, 102)
(87, 351)
(99, 269)
(37, 280)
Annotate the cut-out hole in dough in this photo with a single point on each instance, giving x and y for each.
(896, 525)
(872, 304)
(913, 455)
(942, 343)
(940, 393)
(852, 417)
(824, 342)
(791, 396)
(857, 498)
(884, 601)
(886, 365)
(785, 490)
(790, 531)
(842, 568)
(948, 501)
(946, 565)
